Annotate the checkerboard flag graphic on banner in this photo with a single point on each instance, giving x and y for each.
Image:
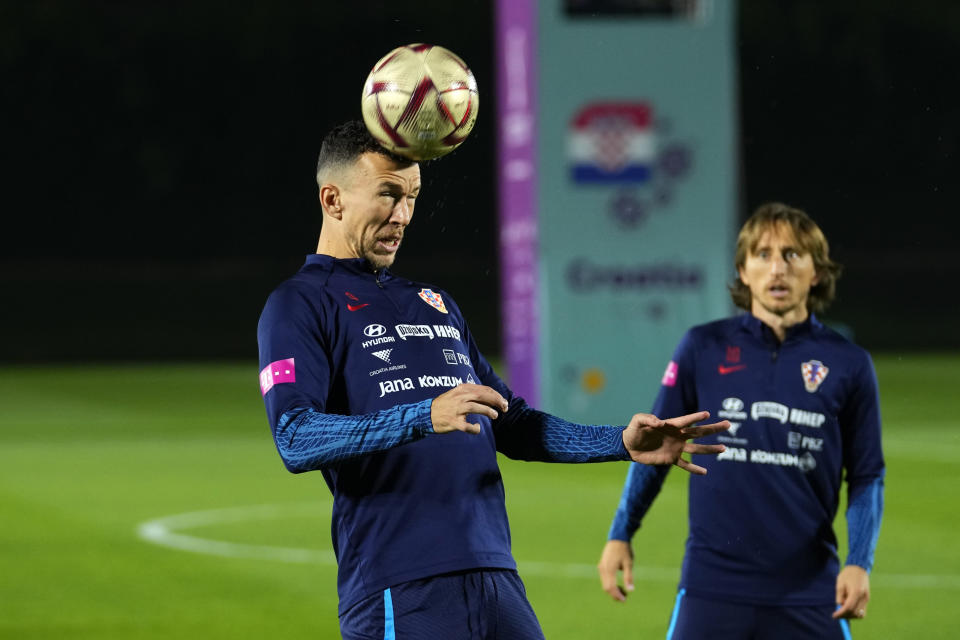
(612, 143)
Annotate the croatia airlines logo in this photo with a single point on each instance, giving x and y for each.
(813, 372)
(612, 143)
(276, 373)
(433, 299)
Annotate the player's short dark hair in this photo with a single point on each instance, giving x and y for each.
(809, 237)
(347, 142)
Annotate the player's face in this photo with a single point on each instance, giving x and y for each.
(779, 274)
(377, 205)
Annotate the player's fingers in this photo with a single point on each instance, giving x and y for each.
(706, 429)
(689, 467)
(616, 556)
(484, 395)
(860, 608)
(847, 608)
(841, 592)
(645, 420)
(841, 595)
(467, 427)
(687, 420)
(705, 449)
(628, 575)
(608, 580)
(479, 409)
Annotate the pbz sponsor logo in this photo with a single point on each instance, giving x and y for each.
(796, 440)
(454, 357)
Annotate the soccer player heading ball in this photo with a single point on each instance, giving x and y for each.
(376, 382)
(761, 558)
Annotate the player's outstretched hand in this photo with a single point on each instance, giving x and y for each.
(449, 410)
(853, 592)
(617, 556)
(651, 440)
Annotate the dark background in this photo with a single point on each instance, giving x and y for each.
(158, 158)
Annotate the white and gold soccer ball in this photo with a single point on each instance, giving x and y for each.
(420, 101)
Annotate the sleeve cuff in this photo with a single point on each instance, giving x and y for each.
(622, 451)
(420, 417)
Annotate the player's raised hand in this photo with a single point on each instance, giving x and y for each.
(617, 556)
(651, 440)
(449, 410)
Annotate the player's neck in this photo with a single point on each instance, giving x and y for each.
(332, 246)
(780, 322)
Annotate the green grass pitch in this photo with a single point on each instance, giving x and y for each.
(90, 454)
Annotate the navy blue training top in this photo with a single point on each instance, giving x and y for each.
(802, 413)
(350, 362)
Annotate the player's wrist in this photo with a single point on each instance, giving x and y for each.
(859, 565)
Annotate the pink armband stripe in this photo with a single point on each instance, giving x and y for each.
(276, 373)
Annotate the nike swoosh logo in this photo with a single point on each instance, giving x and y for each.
(355, 307)
(725, 370)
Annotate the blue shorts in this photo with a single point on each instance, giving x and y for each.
(695, 618)
(485, 604)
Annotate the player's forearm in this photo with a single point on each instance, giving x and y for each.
(864, 513)
(528, 434)
(308, 440)
(641, 488)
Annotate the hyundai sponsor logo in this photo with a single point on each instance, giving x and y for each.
(732, 409)
(374, 330)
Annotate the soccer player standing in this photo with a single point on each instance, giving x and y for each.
(376, 382)
(761, 557)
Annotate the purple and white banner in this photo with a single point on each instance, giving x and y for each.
(516, 108)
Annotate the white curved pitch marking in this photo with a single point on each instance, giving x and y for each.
(163, 531)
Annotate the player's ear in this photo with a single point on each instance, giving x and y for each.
(330, 201)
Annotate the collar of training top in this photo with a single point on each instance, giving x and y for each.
(359, 266)
(752, 324)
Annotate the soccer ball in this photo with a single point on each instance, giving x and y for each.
(420, 101)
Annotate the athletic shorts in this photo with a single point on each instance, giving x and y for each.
(695, 618)
(485, 604)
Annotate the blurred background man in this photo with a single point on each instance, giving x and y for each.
(761, 557)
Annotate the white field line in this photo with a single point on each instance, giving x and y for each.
(164, 532)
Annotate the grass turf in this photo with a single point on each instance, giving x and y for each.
(89, 453)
